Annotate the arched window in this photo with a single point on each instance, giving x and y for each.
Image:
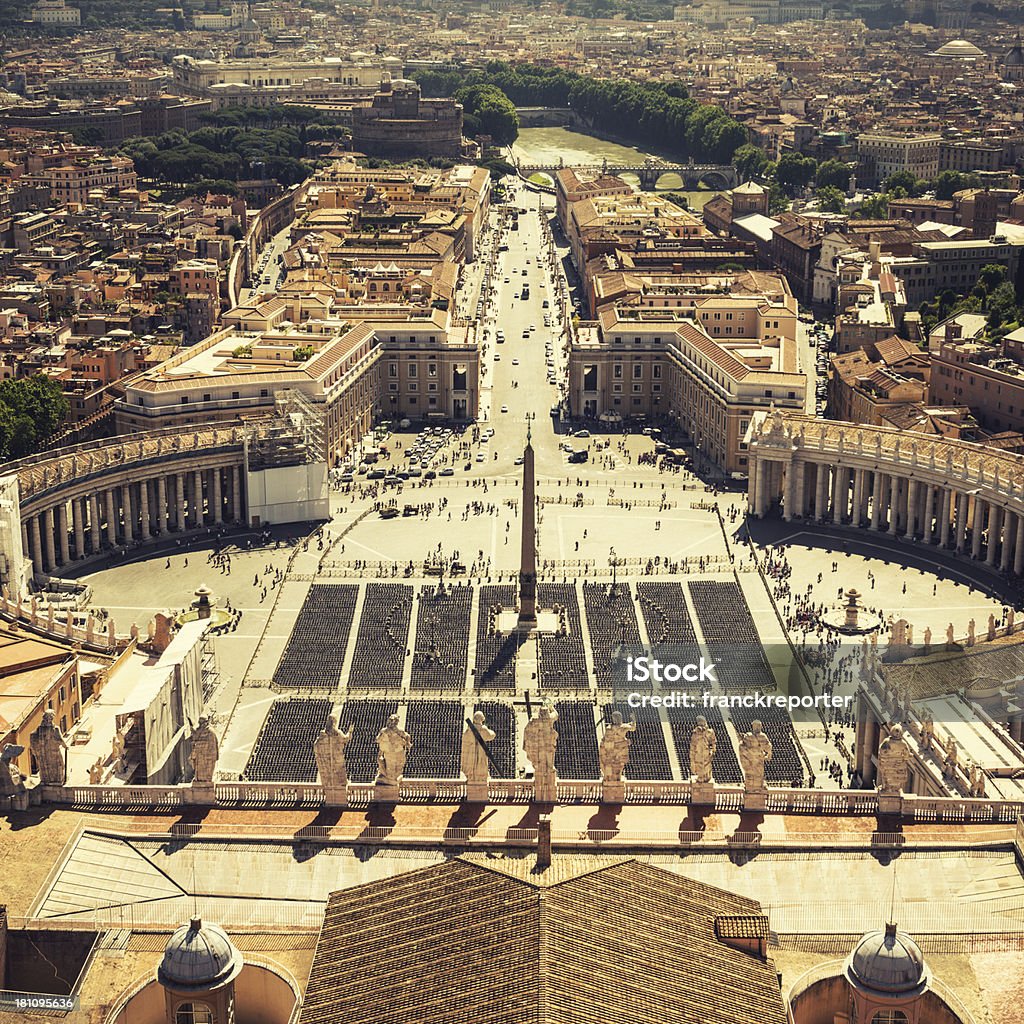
(889, 1017)
(199, 1013)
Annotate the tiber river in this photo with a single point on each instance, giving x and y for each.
(547, 145)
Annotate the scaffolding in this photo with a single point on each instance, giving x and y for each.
(296, 437)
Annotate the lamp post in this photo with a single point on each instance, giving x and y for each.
(613, 561)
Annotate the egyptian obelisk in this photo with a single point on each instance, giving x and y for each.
(528, 551)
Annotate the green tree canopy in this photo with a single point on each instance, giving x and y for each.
(834, 173)
(794, 172)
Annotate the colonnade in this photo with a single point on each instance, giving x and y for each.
(944, 515)
(131, 511)
(949, 494)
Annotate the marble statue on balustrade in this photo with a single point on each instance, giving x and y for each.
(393, 745)
(755, 753)
(703, 744)
(49, 748)
(977, 777)
(205, 751)
(540, 741)
(96, 772)
(12, 783)
(927, 730)
(894, 757)
(329, 754)
(952, 750)
(474, 758)
(614, 756)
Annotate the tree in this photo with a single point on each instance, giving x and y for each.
(488, 111)
(991, 276)
(830, 199)
(873, 208)
(950, 182)
(906, 181)
(1002, 305)
(833, 173)
(750, 162)
(795, 172)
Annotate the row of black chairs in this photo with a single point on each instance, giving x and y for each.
(732, 638)
(648, 755)
(501, 720)
(436, 728)
(562, 659)
(724, 765)
(315, 652)
(383, 634)
(365, 718)
(614, 634)
(576, 754)
(786, 766)
(495, 655)
(442, 638)
(284, 748)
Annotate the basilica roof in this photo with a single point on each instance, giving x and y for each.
(497, 941)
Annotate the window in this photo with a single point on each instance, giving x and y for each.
(392, 369)
(193, 1013)
(656, 372)
(60, 695)
(617, 372)
(234, 394)
(431, 369)
(889, 1017)
(184, 399)
(412, 369)
(638, 371)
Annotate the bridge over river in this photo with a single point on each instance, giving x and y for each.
(652, 173)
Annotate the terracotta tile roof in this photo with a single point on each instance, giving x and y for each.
(495, 942)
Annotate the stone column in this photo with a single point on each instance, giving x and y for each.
(78, 525)
(129, 513)
(801, 487)
(929, 500)
(761, 488)
(911, 508)
(161, 504)
(946, 517)
(217, 497)
(789, 496)
(820, 491)
(1009, 540)
(858, 493)
(236, 493)
(144, 508)
(94, 523)
(977, 527)
(51, 557)
(37, 544)
(179, 495)
(995, 522)
(62, 533)
(876, 498)
(962, 505)
(1018, 548)
(839, 494)
(197, 497)
(894, 502)
(111, 518)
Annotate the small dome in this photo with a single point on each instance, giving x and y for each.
(959, 48)
(888, 961)
(1015, 57)
(199, 956)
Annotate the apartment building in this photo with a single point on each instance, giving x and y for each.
(681, 364)
(882, 153)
